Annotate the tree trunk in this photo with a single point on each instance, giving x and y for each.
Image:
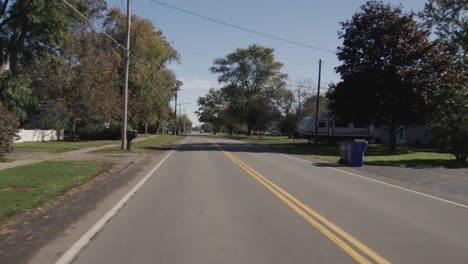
(146, 127)
(393, 134)
(72, 129)
(3, 68)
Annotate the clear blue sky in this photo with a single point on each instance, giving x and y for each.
(199, 41)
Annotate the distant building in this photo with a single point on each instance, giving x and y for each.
(415, 134)
(333, 128)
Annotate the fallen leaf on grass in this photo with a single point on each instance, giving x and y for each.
(10, 224)
(30, 238)
(7, 231)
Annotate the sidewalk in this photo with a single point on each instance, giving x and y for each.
(26, 158)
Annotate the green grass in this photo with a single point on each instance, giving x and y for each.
(46, 180)
(60, 146)
(140, 146)
(378, 154)
(5, 160)
(256, 138)
(63, 146)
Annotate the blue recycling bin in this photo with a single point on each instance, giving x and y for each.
(345, 147)
(356, 153)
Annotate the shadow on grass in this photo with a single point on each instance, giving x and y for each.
(419, 163)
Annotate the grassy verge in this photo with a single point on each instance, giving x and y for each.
(30, 186)
(257, 138)
(140, 146)
(63, 146)
(378, 154)
(5, 160)
(60, 146)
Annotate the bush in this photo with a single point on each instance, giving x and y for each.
(449, 122)
(49, 122)
(8, 127)
(99, 132)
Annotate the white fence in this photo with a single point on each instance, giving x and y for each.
(38, 135)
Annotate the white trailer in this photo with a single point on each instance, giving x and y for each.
(328, 127)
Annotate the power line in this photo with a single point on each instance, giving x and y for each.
(242, 28)
(91, 25)
(123, 6)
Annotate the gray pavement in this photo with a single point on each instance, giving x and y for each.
(202, 207)
(450, 181)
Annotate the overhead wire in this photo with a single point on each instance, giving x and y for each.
(91, 25)
(123, 6)
(242, 28)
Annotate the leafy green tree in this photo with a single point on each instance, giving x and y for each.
(81, 83)
(449, 120)
(32, 30)
(16, 94)
(449, 20)
(212, 109)
(8, 128)
(389, 69)
(252, 81)
(150, 81)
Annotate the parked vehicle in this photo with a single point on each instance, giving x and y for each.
(328, 127)
(275, 133)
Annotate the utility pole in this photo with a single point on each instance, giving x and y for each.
(180, 114)
(317, 104)
(125, 85)
(176, 88)
(184, 122)
(175, 112)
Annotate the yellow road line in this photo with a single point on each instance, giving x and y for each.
(291, 201)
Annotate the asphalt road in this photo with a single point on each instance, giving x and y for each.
(216, 200)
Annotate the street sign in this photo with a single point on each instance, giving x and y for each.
(164, 123)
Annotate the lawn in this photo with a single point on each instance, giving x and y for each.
(140, 146)
(60, 146)
(378, 154)
(63, 146)
(5, 160)
(30, 186)
(257, 138)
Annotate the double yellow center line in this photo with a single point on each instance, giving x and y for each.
(329, 229)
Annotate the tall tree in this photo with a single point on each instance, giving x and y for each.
(150, 80)
(449, 21)
(389, 69)
(31, 30)
(81, 83)
(449, 121)
(212, 109)
(252, 81)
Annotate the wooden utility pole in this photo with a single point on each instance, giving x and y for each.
(176, 88)
(317, 104)
(125, 85)
(175, 112)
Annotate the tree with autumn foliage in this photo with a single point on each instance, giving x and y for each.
(389, 69)
(81, 83)
(150, 81)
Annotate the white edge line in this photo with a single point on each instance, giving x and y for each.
(75, 249)
(388, 184)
